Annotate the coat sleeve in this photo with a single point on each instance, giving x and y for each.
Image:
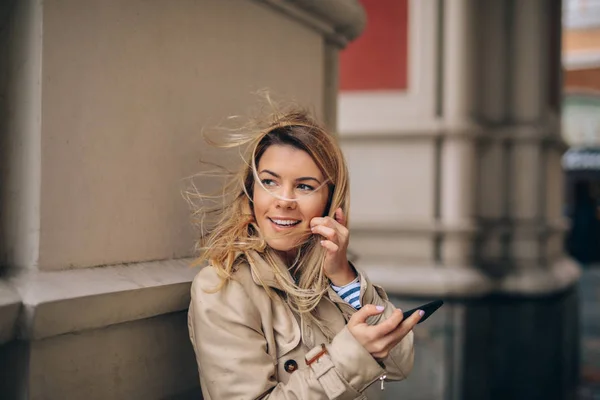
(399, 363)
(231, 352)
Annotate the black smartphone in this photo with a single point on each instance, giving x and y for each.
(429, 309)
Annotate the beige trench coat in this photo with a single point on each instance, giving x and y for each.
(248, 344)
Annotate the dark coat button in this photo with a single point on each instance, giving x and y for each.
(290, 366)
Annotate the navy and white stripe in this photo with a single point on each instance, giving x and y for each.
(350, 293)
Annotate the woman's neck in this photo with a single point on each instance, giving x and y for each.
(289, 258)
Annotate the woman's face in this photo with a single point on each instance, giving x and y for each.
(293, 194)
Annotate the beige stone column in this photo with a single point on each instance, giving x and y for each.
(457, 188)
(456, 145)
(520, 181)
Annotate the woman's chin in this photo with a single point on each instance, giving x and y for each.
(286, 244)
(282, 246)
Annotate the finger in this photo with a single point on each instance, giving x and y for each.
(394, 337)
(341, 230)
(414, 319)
(330, 246)
(389, 325)
(327, 221)
(340, 217)
(368, 310)
(317, 221)
(406, 326)
(326, 232)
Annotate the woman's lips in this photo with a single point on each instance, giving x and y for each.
(281, 224)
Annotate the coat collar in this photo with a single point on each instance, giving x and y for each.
(262, 272)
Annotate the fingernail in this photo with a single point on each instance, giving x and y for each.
(421, 313)
(380, 308)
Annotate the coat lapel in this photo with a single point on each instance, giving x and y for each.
(327, 310)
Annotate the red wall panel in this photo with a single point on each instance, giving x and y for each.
(377, 60)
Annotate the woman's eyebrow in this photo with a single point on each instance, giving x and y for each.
(270, 172)
(308, 178)
(301, 179)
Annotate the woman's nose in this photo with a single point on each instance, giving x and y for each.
(286, 199)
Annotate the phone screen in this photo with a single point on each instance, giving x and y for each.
(429, 309)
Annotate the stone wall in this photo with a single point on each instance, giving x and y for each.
(103, 104)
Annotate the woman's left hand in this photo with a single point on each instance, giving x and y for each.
(335, 242)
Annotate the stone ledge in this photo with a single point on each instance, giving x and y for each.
(543, 133)
(60, 302)
(467, 282)
(471, 227)
(10, 306)
(56, 303)
(341, 21)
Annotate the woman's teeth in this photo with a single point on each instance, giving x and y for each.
(285, 222)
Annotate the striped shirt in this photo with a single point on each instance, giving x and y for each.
(350, 293)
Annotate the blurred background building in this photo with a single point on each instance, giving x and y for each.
(449, 114)
(581, 126)
(451, 125)
(581, 130)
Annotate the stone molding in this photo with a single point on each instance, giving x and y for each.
(468, 282)
(60, 302)
(429, 227)
(37, 305)
(533, 133)
(341, 21)
(470, 227)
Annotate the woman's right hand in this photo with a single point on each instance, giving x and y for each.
(380, 339)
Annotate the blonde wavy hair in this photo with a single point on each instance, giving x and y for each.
(234, 232)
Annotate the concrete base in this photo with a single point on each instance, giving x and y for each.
(13, 370)
(107, 363)
(499, 347)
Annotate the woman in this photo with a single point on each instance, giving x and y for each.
(280, 313)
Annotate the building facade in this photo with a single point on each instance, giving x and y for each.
(452, 137)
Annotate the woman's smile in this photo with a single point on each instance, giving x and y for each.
(284, 223)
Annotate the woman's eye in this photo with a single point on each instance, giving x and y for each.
(305, 187)
(268, 182)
